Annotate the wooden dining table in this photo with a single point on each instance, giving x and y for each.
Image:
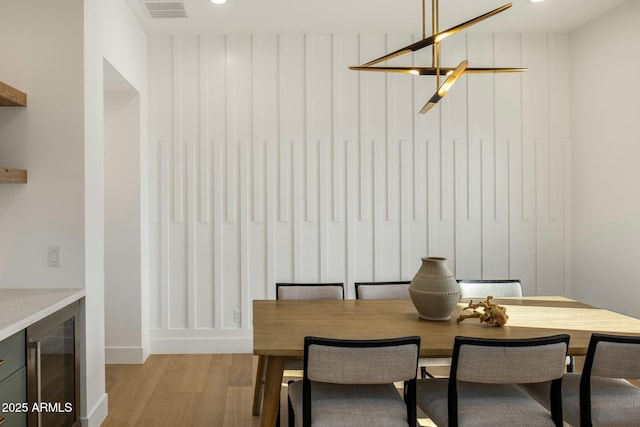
(279, 328)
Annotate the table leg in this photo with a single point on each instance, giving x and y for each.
(258, 390)
(272, 384)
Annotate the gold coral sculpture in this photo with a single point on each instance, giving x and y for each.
(434, 41)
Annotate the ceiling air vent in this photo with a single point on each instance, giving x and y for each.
(165, 9)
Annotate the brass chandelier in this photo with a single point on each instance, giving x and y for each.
(434, 41)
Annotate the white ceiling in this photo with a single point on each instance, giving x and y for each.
(368, 16)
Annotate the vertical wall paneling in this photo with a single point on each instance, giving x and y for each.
(495, 221)
(178, 181)
(406, 209)
(501, 180)
(216, 235)
(419, 195)
(373, 116)
(243, 299)
(216, 118)
(366, 148)
(434, 199)
(528, 179)
(231, 179)
(266, 135)
(271, 161)
(311, 180)
(292, 99)
(298, 209)
(344, 116)
(192, 215)
(152, 150)
(284, 179)
(204, 146)
(392, 172)
(270, 256)
(379, 198)
(351, 205)
(498, 251)
(205, 179)
(177, 130)
(165, 242)
(258, 179)
(338, 179)
(323, 201)
(567, 248)
(154, 181)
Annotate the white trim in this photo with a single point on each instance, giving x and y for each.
(99, 413)
(201, 345)
(125, 355)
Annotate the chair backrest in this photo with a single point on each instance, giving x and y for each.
(509, 361)
(610, 356)
(483, 288)
(382, 290)
(364, 362)
(307, 291)
(613, 356)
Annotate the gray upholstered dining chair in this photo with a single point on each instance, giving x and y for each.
(382, 290)
(398, 290)
(482, 388)
(307, 291)
(601, 394)
(295, 291)
(351, 383)
(482, 288)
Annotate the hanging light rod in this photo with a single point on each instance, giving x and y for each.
(432, 71)
(436, 38)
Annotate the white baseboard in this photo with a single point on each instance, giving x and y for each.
(125, 355)
(98, 414)
(201, 345)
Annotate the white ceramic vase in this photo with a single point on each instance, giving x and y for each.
(434, 291)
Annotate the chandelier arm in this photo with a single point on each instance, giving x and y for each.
(444, 89)
(436, 38)
(431, 71)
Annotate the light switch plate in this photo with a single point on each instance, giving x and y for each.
(53, 256)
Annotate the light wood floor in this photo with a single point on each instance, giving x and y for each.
(183, 390)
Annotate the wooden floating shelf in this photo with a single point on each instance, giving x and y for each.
(13, 176)
(11, 97)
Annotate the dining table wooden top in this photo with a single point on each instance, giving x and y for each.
(279, 326)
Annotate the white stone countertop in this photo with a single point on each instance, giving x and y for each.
(20, 308)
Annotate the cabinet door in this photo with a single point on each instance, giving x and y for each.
(13, 398)
(12, 355)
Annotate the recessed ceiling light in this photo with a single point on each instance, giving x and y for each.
(223, 1)
(535, 1)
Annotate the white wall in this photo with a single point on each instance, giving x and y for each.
(41, 54)
(123, 322)
(606, 129)
(271, 161)
(110, 33)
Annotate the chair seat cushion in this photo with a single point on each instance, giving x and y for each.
(614, 402)
(481, 404)
(351, 405)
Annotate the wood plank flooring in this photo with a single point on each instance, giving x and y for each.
(183, 390)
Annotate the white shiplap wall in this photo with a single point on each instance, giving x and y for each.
(271, 161)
